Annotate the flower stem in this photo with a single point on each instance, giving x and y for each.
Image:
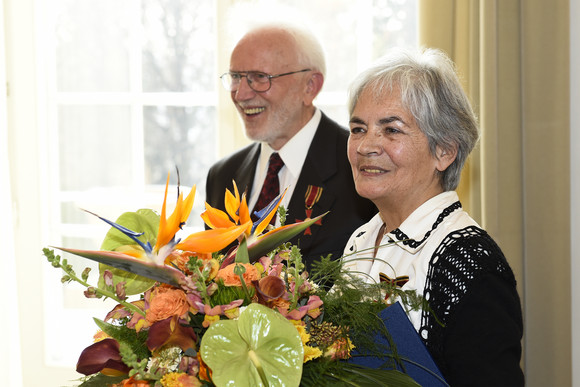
(71, 276)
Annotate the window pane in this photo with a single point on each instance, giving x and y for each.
(394, 24)
(182, 137)
(95, 146)
(179, 49)
(92, 39)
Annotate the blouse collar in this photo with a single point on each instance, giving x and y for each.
(415, 230)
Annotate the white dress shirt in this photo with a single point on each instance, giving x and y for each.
(293, 153)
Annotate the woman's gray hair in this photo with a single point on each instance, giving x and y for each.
(431, 91)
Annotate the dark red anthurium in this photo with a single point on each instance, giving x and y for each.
(103, 356)
(269, 289)
(170, 332)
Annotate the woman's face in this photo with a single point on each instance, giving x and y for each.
(389, 154)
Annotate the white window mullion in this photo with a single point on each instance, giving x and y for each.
(136, 88)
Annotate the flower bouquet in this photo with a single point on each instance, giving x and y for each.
(190, 315)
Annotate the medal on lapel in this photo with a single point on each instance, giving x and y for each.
(313, 194)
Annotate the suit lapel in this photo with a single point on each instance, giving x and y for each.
(244, 175)
(319, 166)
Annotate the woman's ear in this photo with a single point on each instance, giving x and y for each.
(445, 157)
(313, 87)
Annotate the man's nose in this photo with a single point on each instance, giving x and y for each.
(244, 90)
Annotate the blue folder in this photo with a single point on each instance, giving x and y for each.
(417, 362)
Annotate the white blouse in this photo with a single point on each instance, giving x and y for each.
(407, 250)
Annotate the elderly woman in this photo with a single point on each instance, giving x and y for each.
(411, 130)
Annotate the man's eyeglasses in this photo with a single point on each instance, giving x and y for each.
(257, 80)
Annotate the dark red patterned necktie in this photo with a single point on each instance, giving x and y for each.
(271, 187)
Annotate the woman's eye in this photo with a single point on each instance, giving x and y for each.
(391, 130)
(356, 129)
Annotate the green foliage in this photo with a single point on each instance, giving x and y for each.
(100, 380)
(130, 337)
(356, 304)
(282, 213)
(320, 374)
(226, 294)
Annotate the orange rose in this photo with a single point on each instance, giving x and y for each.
(231, 279)
(166, 302)
(181, 259)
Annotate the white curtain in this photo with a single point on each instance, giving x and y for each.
(10, 360)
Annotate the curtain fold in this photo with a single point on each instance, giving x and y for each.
(10, 359)
(514, 60)
(453, 27)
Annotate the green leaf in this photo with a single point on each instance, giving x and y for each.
(269, 241)
(161, 273)
(347, 374)
(242, 252)
(261, 344)
(100, 380)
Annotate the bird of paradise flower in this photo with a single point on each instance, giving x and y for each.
(147, 259)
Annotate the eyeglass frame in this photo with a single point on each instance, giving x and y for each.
(242, 74)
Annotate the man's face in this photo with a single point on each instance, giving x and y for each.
(273, 116)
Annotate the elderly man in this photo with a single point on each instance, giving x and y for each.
(275, 74)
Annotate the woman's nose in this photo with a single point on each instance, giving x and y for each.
(369, 144)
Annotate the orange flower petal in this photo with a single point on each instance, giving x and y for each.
(210, 241)
(244, 210)
(216, 218)
(232, 203)
(161, 234)
(266, 221)
(169, 227)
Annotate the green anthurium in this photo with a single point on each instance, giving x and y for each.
(261, 348)
(145, 221)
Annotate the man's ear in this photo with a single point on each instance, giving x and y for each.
(445, 157)
(313, 87)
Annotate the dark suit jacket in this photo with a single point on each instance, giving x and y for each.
(326, 165)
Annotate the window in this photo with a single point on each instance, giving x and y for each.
(132, 93)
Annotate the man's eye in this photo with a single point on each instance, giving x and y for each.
(260, 77)
(235, 76)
